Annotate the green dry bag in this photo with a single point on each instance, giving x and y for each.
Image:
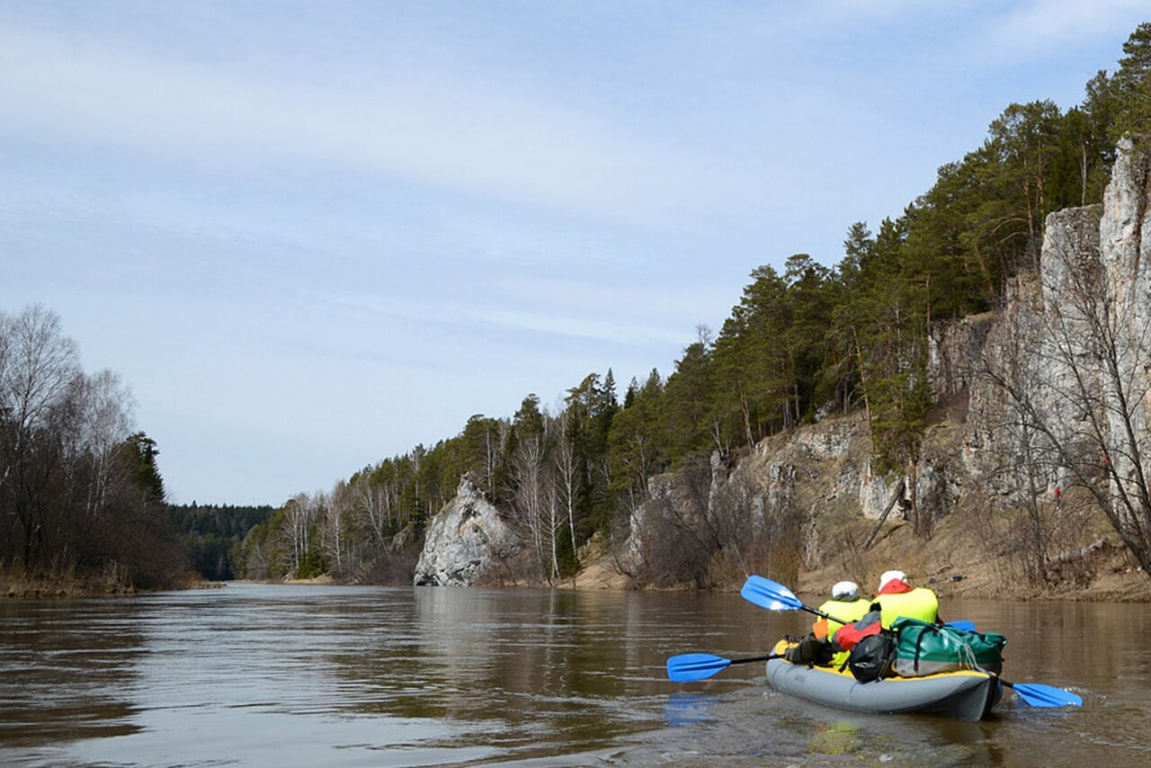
(926, 649)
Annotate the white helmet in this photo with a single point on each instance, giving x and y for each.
(891, 576)
(845, 590)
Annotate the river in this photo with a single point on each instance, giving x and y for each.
(278, 675)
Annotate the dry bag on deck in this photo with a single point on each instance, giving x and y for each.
(925, 649)
(871, 658)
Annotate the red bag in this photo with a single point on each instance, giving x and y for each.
(848, 635)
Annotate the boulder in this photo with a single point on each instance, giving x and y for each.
(465, 541)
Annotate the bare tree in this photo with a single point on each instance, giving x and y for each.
(567, 474)
(300, 513)
(672, 534)
(380, 504)
(336, 513)
(533, 496)
(106, 423)
(1027, 466)
(39, 367)
(1101, 341)
(1088, 391)
(39, 363)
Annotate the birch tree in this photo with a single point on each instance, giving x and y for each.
(39, 367)
(533, 497)
(567, 475)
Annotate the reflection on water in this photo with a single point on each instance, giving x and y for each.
(68, 662)
(289, 675)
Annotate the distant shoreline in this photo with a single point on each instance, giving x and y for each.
(15, 585)
(1113, 585)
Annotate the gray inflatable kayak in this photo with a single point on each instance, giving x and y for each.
(963, 695)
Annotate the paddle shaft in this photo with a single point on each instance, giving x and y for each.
(757, 658)
(823, 615)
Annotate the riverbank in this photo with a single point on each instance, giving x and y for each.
(67, 584)
(597, 575)
(959, 562)
(952, 563)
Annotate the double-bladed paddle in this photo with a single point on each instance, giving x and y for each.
(775, 597)
(1039, 695)
(688, 667)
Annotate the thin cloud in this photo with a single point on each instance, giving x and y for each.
(1044, 25)
(579, 326)
(453, 133)
(510, 318)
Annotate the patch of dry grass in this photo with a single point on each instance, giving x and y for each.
(964, 559)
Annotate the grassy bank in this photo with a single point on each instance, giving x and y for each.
(113, 579)
(960, 560)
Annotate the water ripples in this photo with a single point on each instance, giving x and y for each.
(289, 675)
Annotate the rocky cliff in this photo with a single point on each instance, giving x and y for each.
(466, 542)
(1029, 399)
(1035, 447)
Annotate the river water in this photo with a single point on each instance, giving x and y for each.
(271, 675)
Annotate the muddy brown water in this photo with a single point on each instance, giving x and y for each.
(265, 675)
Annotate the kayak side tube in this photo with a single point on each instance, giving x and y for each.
(964, 695)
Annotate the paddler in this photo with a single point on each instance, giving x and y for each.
(845, 604)
(896, 598)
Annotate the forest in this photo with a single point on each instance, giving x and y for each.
(81, 496)
(212, 535)
(81, 492)
(803, 342)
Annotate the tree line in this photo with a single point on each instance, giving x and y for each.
(81, 496)
(80, 488)
(213, 535)
(804, 341)
(82, 500)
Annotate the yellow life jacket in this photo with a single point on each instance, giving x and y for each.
(849, 612)
(839, 609)
(919, 603)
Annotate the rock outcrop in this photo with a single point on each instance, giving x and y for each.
(822, 473)
(982, 436)
(466, 541)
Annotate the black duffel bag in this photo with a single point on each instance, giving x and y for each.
(872, 657)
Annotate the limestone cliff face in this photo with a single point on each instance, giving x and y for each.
(1092, 271)
(466, 541)
(809, 477)
(1092, 257)
(1125, 241)
(1037, 343)
(1092, 290)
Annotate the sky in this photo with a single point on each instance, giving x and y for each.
(312, 236)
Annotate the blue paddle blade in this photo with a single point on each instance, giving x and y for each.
(694, 666)
(768, 594)
(1039, 695)
(966, 626)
